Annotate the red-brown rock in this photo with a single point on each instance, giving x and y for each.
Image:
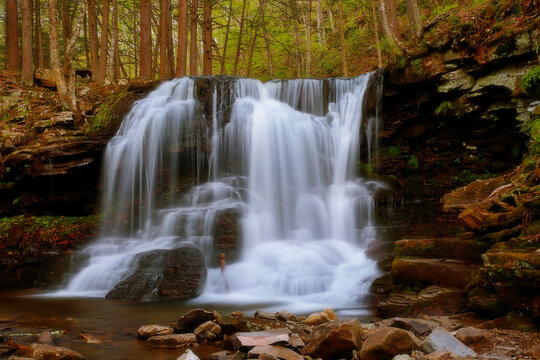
(334, 339)
(171, 341)
(387, 343)
(242, 340)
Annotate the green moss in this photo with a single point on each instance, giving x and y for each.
(444, 108)
(531, 81)
(393, 151)
(104, 115)
(413, 161)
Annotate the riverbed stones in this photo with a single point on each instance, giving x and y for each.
(387, 343)
(276, 351)
(188, 355)
(6, 350)
(334, 339)
(321, 317)
(419, 327)
(243, 340)
(440, 339)
(174, 274)
(50, 352)
(45, 337)
(192, 319)
(171, 341)
(207, 331)
(469, 335)
(147, 331)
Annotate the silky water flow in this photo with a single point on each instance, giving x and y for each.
(280, 163)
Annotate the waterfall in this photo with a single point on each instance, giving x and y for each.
(279, 157)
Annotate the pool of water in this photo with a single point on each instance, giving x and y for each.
(24, 314)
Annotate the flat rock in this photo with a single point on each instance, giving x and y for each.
(455, 81)
(171, 341)
(449, 248)
(192, 319)
(443, 355)
(334, 339)
(437, 300)
(242, 340)
(321, 317)
(442, 272)
(207, 331)
(470, 335)
(418, 327)
(440, 339)
(147, 331)
(220, 355)
(387, 343)
(188, 355)
(275, 350)
(50, 352)
(477, 191)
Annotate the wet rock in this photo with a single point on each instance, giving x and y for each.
(89, 339)
(192, 319)
(334, 339)
(440, 339)
(321, 317)
(387, 343)
(175, 274)
(434, 271)
(188, 355)
(455, 81)
(437, 300)
(207, 331)
(171, 341)
(45, 337)
(449, 248)
(295, 341)
(242, 340)
(234, 323)
(477, 191)
(6, 350)
(147, 331)
(276, 351)
(395, 304)
(417, 326)
(220, 355)
(505, 79)
(470, 335)
(50, 352)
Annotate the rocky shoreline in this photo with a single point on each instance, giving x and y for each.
(201, 334)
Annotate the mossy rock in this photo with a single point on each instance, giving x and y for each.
(450, 248)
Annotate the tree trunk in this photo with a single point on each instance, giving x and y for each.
(207, 38)
(308, 40)
(182, 38)
(415, 23)
(389, 21)
(319, 23)
(54, 54)
(92, 27)
(170, 47)
(193, 38)
(266, 39)
(252, 45)
(376, 32)
(39, 40)
(12, 36)
(66, 19)
(27, 44)
(341, 27)
(146, 40)
(85, 34)
(116, 50)
(227, 30)
(164, 11)
(239, 45)
(102, 74)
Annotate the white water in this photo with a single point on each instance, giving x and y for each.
(289, 170)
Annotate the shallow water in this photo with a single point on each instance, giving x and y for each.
(114, 322)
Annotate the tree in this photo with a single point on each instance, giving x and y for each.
(12, 36)
(116, 50)
(207, 38)
(415, 23)
(376, 32)
(227, 30)
(341, 27)
(163, 56)
(93, 34)
(389, 21)
(182, 38)
(145, 57)
(27, 44)
(239, 44)
(39, 41)
(102, 73)
(308, 39)
(193, 38)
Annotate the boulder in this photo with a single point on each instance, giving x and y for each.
(207, 331)
(419, 327)
(321, 317)
(242, 340)
(402, 357)
(171, 341)
(220, 355)
(50, 352)
(442, 272)
(437, 300)
(503, 79)
(334, 339)
(396, 304)
(387, 343)
(45, 337)
(175, 274)
(188, 355)
(443, 355)
(470, 335)
(238, 322)
(147, 331)
(276, 351)
(440, 339)
(477, 191)
(455, 81)
(192, 319)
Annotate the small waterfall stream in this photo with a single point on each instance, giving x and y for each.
(281, 156)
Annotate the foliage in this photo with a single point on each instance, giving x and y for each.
(413, 161)
(531, 80)
(532, 128)
(443, 108)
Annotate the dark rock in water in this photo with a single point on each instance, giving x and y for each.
(172, 341)
(334, 339)
(192, 319)
(49, 352)
(147, 331)
(175, 274)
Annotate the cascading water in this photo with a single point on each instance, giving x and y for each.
(287, 169)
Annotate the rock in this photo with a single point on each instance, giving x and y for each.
(477, 191)
(207, 331)
(234, 323)
(388, 342)
(470, 335)
(402, 357)
(437, 300)
(506, 79)
(440, 339)
(45, 337)
(242, 340)
(45, 77)
(277, 351)
(455, 81)
(175, 274)
(321, 317)
(192, 319)
(220, 355)
(449, 248)
(395, 304)
(417, 326)
(188, 355)
(6, 350)
(535, 352)
(434, 271)
(295, 341)
(50, 352)
(171, 341)
(89, 339)
(19, 358)
(266, 356)
(334, 339)
(443, 355)
(147, 331)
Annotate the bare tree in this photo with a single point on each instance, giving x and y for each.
(116, 50)
(164, 13)
(389, 21)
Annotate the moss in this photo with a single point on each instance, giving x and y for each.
(104, 115)
(413, 161)
(531, 81)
